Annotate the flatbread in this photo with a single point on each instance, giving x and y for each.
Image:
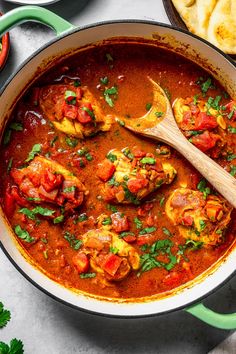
(213, 20)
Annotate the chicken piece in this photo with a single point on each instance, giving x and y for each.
(110, 256)
(73, 110)
(128, 179)
(198, 218)
(48, 181)
(197, 120)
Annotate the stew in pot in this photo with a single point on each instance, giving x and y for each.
(105, 211)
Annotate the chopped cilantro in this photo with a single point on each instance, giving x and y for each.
(23, 234)
(104, 80)
(90, 113)
(233, 170)
(159, 114)
(9, 166)
(203, 188)
(138, 223)
(193, 245)
(83, 151)
(150, 261)
(77, 83)
(107, 93)
(147, 230)
(214, 102)
(114, 250)
(121, 122)
(112, 208)
(106, 221)
(148, 106)
(82, 217)
(36, 149)
(16, 126)
(231, 113)
(231, 129)
(87, 275)
(58, 219)
(52, 142)
(148, 160)
(31, 214)
(126, 233)
(231, 157)
(195, 99)
(205, 85)
(73, 241)
(109, 57)
(126, 151)
(69, 189)
(110, 156)
(7, 137)
(167, 232)
(70, 97)
(162, 201)
(202, 225)
(71, 142)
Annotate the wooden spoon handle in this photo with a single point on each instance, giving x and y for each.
(223, 182)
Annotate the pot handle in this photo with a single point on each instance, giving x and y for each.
(218, 320)
(34, 13)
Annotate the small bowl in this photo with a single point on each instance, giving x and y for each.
(5, 41)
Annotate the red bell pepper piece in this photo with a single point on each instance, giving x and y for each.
(105, 170)
(111, 264)
(204, 121)
(81, 262)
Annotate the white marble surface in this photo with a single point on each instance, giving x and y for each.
(47, 327)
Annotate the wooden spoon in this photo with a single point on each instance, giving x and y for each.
(159, 123)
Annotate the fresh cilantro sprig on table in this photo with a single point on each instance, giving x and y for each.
(16, 346)
(5, 316)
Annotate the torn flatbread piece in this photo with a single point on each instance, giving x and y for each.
(213, 20)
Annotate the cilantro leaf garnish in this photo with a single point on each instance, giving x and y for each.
(87, 275)
(73, 241)
(110, 92)
(36, 149)
(23, 234)
(71, 142)
(203, 188)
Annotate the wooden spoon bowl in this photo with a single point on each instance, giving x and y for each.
(159, 123)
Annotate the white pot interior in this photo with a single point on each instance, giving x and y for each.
(213, 61)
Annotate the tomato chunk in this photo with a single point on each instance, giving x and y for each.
(9, 203)
(204, 121)
(187, 220)
(105, 170)
(51, 180)
(134, 185)
(70, 111)
(112, 264)
(81, 262)
(205, 141)
(130, 238)
(214, 212)
(120, 223)
(85, 113)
